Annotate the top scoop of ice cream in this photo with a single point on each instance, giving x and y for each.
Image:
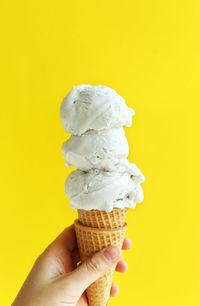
(103, 190)
(89, 107)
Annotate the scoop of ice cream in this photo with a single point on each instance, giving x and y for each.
(102, 190)
(89, 107)
(105, 149)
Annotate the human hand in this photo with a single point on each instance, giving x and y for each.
(55, 279)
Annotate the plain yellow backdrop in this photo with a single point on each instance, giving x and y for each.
(149, 52)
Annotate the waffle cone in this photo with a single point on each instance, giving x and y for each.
(96, 230)
(102, 219)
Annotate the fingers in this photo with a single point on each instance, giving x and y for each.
(114, 290)
(82, 301)
(77, 281)
(62, 253)
(92, 269)
(67, 239)
(75, 257)
(121, 266)
(127, 244)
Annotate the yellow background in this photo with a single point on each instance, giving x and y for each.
(149, 52)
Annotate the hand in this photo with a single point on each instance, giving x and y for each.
(55, 279)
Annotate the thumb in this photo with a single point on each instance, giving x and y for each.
(93, 268)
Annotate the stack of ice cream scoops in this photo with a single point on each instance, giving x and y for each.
(105, 183)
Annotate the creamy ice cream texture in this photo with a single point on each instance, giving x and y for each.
(103, 190)
(105, 179)
(96, 108)
(105, 149)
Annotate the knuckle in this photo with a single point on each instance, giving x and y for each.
(44, 255)
(38, 260)
(93, 265)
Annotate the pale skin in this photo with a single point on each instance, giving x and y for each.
(55, 279)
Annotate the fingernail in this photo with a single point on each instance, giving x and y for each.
(112, 253)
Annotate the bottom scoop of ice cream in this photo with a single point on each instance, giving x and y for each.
(102, 190)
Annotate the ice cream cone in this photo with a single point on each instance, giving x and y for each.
(96, 230)
(104, 178)
(102, 219)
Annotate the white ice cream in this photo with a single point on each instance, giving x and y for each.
(106, 150)
(98, 147)
(102, 190)
(89, 107)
